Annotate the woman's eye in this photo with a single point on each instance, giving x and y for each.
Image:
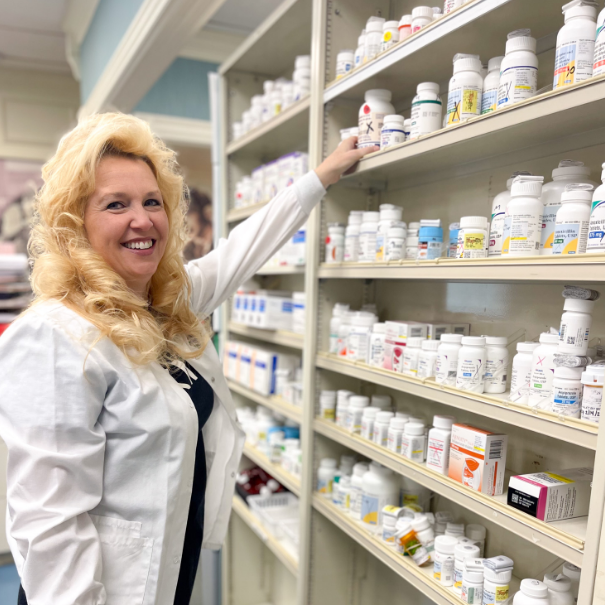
(153, 202)
(115, 206)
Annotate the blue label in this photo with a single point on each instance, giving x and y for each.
(286, 307)
(299, 237)
(261, 305)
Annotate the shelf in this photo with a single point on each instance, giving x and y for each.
(277, 472)
(282, 270)
(277, 404)
(564, 539)
(282, 134)
(240, 508)
(582, 268)
(551, 123)
(572, 430)
(427, 55)
(239, 214)
(276, 337)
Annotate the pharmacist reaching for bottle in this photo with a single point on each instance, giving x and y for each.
(122, 439)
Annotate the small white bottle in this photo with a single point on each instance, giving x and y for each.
(472, 582)
(519, 69)
(573, 573)
(411, 353)
(351, 254)
(524, 215)
(427, 358)
(360, 53)
(368, 418)
(572, 220)
(354, 412)
(477, 533)
(355, 493)
(380, 488)
(376, 106)
(446, 369)
(382, 402)
(407, 127)
(389, 215)
(439, 439)
(427, 110)
(377, 345)
(405, 27)
(358, 341)
(411, 247)
(327, 404)
(325, 476)
(533, 592)
(575, 45)
(390, 35)
(345, 61)
(421, 17)
(542, 371)
(465, 90)
(395, 434)
(521, 373)
(450, 5)
(592, 393)
(424, 532)
(395, 243)
(598, 65)
(473, 237)
(497, 574)
(367, 237)
(413, 442)
(392, 132)
(335, 243)
(567, 391)
(443, 569)
(381, 428)
(559, 589)
(462, 551)
(596, 228)
(373, 39)
(496, 364)
(471, 364)
(491, 83)
(342, 407)
(576, 322)
(337, 314)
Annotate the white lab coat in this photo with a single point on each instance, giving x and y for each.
(100, 465)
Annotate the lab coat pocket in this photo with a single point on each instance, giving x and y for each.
(126, 560)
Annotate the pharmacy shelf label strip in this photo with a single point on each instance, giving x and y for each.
(572, 430)
(564, 539)
(278, 473)
(277, 404)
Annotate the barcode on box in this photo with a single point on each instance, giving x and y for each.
(495, 450)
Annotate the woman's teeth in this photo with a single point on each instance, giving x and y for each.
(139, 245)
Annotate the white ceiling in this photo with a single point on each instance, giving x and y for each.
(242, 16)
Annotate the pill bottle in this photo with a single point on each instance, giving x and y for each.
(351, 254)
(377, 105)
(454, 529)
(411, 247)
(327, 404)
(521, 373)
(343, 332)
(533, 592)
(439, 439)
(496, 364)
(345, 61)
(489, 101)
(358, 343)
(568, 172)
(576, 321)
(380, 488)
(344, 488)
(408, 544)
(381, 428)
(368, 418)
(559, 589)
(572, 220)
(596, 229)
(342, 407)
(542, 371)
(424, 531)
(430, 243)
(411, 353)
(413, 229)
(407, 125)
(447, 359)
(382, 402)
(354, 412)
(390, 35)
(427, 110)
(443, 569)
(465, 90)
(395, 434)
(395, 243)
(413, 442)
(575, 45)
(325, 476)
(573, 573)
(450, 5)
(519, 69)
(453, 245)
(355, 216)
(462, 551)
(367, 237)
(376, 356)
(598, 66)
(471, 364)
(592, 393)
(477, 533)
(472, 237)
(389, 215)
(421, 17)
(392, 132)
(373, 40)
(524, 215)
(355, 492)
(497, 574)
(567, 391)
(335, 243)
(390, 516)
(337, 313)
(360, 52)
(472, 582)
(427, 358)
(347, 463)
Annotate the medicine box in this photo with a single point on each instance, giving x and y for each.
(262, 371)
(464, 329)
(434, 331)
(396, 333)
(258, 185)
(552, 496)
(478, 459)
(274, 310)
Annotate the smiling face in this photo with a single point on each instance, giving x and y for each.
(126, 222)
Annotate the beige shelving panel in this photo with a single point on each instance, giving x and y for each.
(448, 174)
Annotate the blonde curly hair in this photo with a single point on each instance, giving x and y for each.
(66, 268)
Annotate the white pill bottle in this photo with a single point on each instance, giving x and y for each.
(592, 394)
(596, 228)
(427, 110)
(496, 364)
(389, 215)
(472, 237)
(598, 65)
(576, 322)
(392, 132)
(345, 60)
(573, 218)
(360, 52)
(519, 69)
(446, 366)
(559, 589)
(567, 391)
(380, 488)
(524, 217)
(533, 592)
(471, 364)
(575, 44)
(521, 373)
(491, 84)
(377, 105)
(439, 440)
(465, 91)
(542, 371)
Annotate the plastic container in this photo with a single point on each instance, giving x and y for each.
(345, 61)
(392, 132)
(327, 405)
(424, 531)
(519, 69)
(592, 392)
(524, 217)
(405, 27)
(575, 45)
(411, 247)
(389, 215)
(355, 411)
(373, 37)
(430, 243)
(473, 237)
(446, 369)
(476, 533)
(567, 391)
(576, 321)
(472, 582)
(342, 407)
(325, 476)
(358, 342)
(427, 110)
(598, 65)
(462, 551)
(542, 371)
(377, 105)
(568, 172)
(360, 52)
(439, 439)
(408, 544)
(496, 364)
(450, 5)
(465, 92)
(489, 101)
(407, 125)
(521, 372)
(497, 574)
(367, 237)
(335, 243)
(380, 488)
(533, 592)
(352, 243)
(573, 573)
(381, 428)
(377, 338)
(421, 17)
(411, 353)
(413, 442)
(443, 569)
(337, 314)
(390, 35)
(356, 489)
(427, 358)
(559, 589)
(471, 364)
(572, 220)
(596, 229)
(453, 247)
(395, 434)
(395, 243)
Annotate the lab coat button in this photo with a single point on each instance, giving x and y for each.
(176, 560)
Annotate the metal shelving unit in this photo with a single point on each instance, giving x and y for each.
(285, 478)
(276, 337)
(277, 404)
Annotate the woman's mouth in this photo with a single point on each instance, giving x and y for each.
(141, 247)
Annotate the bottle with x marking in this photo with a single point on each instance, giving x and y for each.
(466, 89)
(376, 106)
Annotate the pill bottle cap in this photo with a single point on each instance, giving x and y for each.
(370, 217)
(388, 211)
(355, 217)
(414, 342)
(549, 339)
(443, 422)
(520, 39)
(390, 25)
(464, 550)
(494, 63)
(339, 227)
(467, 63)
(394, 119)
(420, 522)
(451, 338)
(509, 182)
(473, 222)
(384, 417)
(302, 61)
(474, 574)
(578, 305)
(594, 375)
(430, 232)
(534, 588)
(328, 395)
(358, 401)
(378, 93)
(496, 340)
(379, 328)
(577, 192)
(527, 347)
(445, 544)
(527, 186)
(580, 8)
(414, 428)
(428, 87)
(396, 231)
(398, 423)
(557, 582)
(570, 168)
(571, 571)
(422, 11)
(478, 341)
(328, 463)
(360, 469)
(569, 373)
(474, 531)
(405, 21)
(430, 345)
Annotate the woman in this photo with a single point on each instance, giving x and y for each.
(114, 407)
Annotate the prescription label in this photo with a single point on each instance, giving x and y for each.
(463, 103)
(566, 401)
(570, 237)
(565, 65)
(369, 509)
(599, 51)
(472, 245)
(370, 127)
(499, 596)
(592, 398)
(525, 233)
(516, 84)
(489, 102)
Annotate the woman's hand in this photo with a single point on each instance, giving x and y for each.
(339, 161)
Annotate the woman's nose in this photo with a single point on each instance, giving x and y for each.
(140, 219)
